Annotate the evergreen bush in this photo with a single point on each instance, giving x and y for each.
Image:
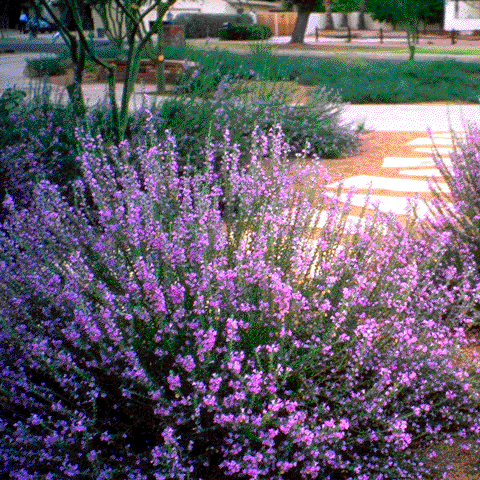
(244, 32)
(45, 67)
(202, 25)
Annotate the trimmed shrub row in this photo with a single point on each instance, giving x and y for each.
(202, 25)
(244, 32)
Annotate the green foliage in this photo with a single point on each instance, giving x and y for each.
(45, 67)
(385, 82)
(395, 11)
(244, 32)
(385, 11)
(241, 105)
(433, 11)
(10, 102)
(345, 5)
(37, 141)
(356, 82)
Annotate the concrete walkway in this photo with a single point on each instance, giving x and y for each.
(413, 117)
(12, 74)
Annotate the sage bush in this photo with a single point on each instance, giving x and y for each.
(458, 211)
(37, 139)
(314, 128)
(177, 323)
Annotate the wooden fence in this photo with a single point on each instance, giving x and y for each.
(281, 23)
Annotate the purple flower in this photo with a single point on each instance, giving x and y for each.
(174, 382)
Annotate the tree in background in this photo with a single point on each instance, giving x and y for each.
(345, 6)
(389, 11)
(126, 27)
(433, 12)
(361, 15)
(406, 11)
(328, 15)
(305, 8)
(68, 17)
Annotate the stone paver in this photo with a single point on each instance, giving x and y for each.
(406, 180)
(385, 203)
(398, 162)
(425, 172)
(385, 183)
(439, 150)
(431, 141)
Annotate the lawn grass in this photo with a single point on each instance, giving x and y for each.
(370, 49)
(447, 51)
(357, 80)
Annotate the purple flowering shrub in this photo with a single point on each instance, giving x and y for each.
(37, 139)
(458, 212)
(36, 142)
(182, 324)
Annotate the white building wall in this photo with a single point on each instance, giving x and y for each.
(318, 20)
(202, 6)
(461, 16)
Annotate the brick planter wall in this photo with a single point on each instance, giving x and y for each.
(147, 70)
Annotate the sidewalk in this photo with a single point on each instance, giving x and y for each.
(420, 117)
(12, 75)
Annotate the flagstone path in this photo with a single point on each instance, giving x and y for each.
(397, 165)
(392, 169)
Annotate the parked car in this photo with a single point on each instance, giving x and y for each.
(40, 25)
(46, 27)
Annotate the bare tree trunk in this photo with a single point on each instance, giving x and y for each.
(328, 14)
(298, 35)
(160, 57)
(412, 36)
(305, 8)
(74, 90)
(77, 44)
(361, 16)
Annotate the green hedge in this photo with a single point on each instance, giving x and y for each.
(202, 25)
(244, 32)
(45, 67)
